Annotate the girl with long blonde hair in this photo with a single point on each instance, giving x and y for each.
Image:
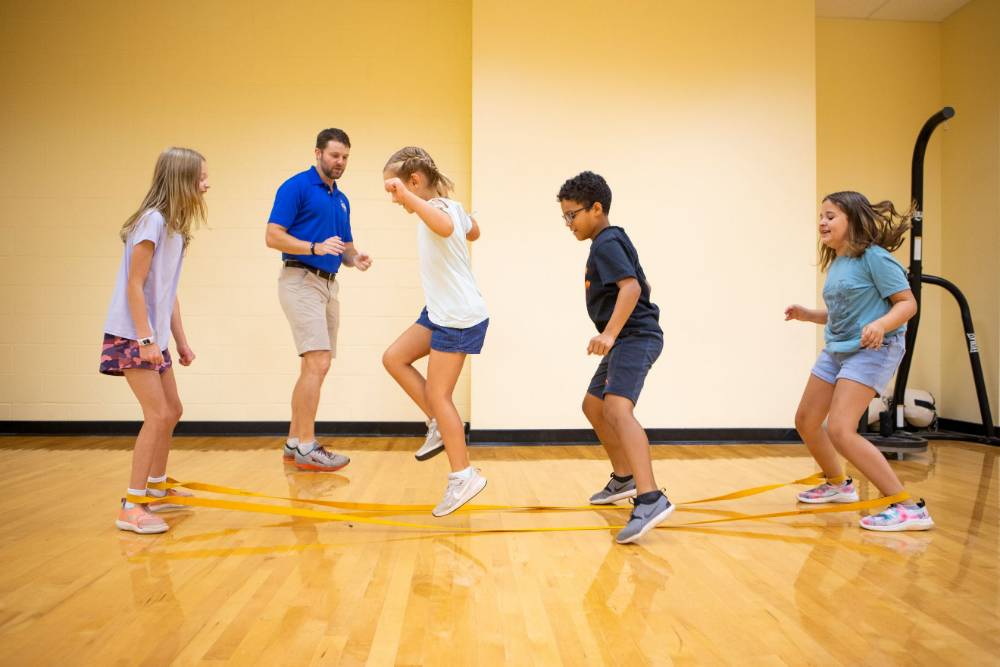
(144, 313)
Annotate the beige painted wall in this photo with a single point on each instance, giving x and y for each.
(971, 176)
(702, 118)
(705, 117)
(877, 82)
(93, 92)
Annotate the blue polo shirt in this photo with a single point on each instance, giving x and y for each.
(311, 211)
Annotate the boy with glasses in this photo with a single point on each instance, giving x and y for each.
(629, 340)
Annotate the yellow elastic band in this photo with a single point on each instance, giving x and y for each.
(387, 508)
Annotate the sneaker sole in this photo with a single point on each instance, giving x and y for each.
(124, 525)
(838, 499)
(464, 500)
(923, 524)
(288, 459)
(310, 466)
(610, 500)
(431, 453)
(653, 523)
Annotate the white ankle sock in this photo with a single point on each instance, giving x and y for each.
(156, 493)
(462, 474)
(309, 447)
(292, 442)
(133, 492)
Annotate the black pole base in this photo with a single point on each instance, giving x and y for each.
(897, 445)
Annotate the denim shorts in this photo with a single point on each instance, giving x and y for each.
(623, 370)
(447, 339)
(872, 368)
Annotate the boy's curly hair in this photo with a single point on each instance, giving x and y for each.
(586, 188)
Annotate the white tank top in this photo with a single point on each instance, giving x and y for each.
(453, 298)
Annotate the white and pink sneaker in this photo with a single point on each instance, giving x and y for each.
(899, 517)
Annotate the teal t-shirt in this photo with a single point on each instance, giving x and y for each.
(857, 292)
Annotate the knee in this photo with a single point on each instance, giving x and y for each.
(160, 418)
(805, 421)
(592, 409)
(317, 363)
(435, 395)
(615, 412)
(392, 360)
(174, 412)
(840, 429)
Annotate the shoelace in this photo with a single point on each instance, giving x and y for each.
(453, 487)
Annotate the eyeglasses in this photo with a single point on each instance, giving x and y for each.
(570, 216)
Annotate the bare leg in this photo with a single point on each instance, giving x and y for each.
(618, 414)
(443, 370)
(156, 422)
(813, 408)
(593, 408)
(305, 396)
(412, 344)
(174, 412)
(850, 400)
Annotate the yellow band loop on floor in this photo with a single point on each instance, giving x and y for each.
(361, 519)
(386, 507)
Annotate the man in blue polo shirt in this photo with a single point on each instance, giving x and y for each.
(310, 224)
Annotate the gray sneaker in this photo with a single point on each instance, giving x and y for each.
(614, 491)
(459, 492)
(433, 443)
(319, 459)
(645, 517)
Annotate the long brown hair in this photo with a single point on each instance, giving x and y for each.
(867, 224)
(409, 160)
(174, 193)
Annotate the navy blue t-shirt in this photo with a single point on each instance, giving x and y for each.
(613, 258)
(312, 211)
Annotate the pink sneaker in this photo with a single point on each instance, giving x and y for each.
(164, 504)
(831, 493)
(140, 520)
(898, 517)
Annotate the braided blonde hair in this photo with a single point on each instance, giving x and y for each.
(407, 161)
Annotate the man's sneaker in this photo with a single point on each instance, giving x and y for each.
(831, 493)
(164, 504)
(645, 517)
(140, 520)
(459, 492)
(319, 459)
(433, 443)
(288, 453)
(900, 517)
(614, 491)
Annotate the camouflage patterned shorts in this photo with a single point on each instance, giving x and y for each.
(121, 354)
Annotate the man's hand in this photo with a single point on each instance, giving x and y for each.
(331, 246)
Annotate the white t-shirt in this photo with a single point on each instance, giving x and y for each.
(453, 298)
(160, 288)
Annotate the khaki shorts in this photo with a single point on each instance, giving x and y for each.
(311, 306)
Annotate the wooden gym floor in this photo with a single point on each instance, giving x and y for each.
(228, 587)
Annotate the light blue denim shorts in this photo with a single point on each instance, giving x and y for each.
(872, 368)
